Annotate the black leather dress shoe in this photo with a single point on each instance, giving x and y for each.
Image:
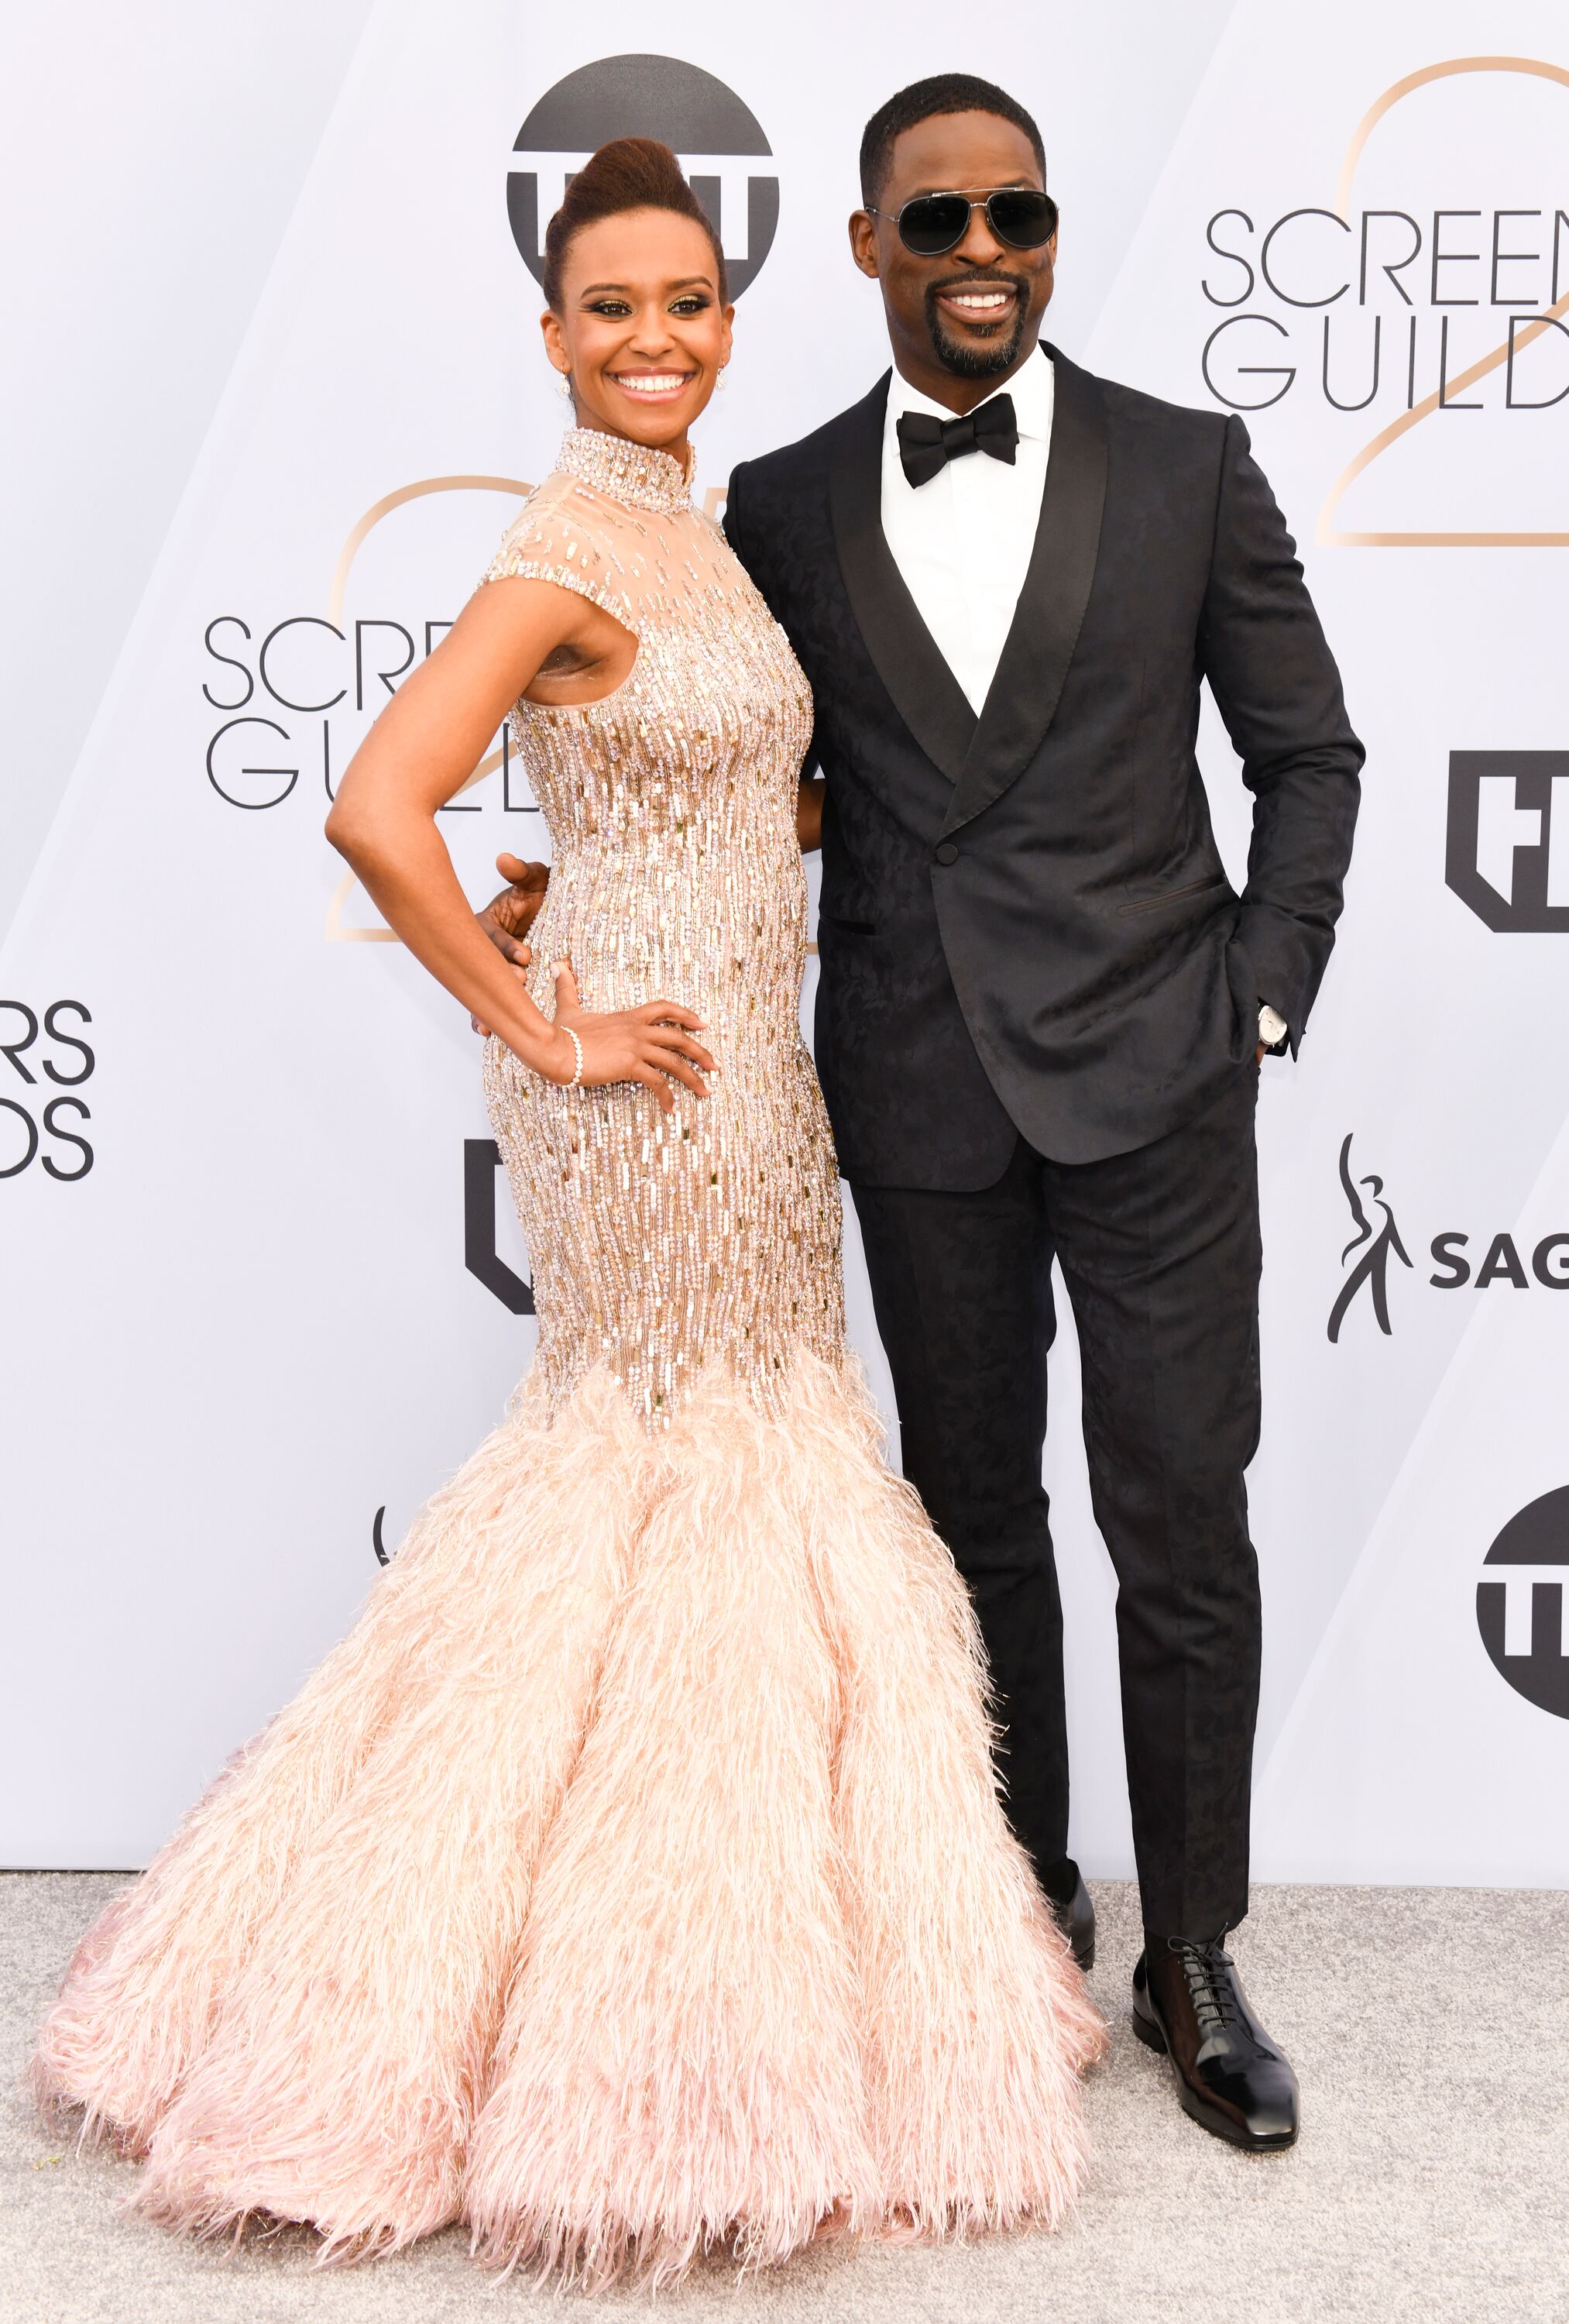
(1189, 2001)
(1076, 1918)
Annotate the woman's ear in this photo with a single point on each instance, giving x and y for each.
(554, 345)
(729, 324)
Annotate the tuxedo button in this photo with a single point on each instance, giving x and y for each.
(948, 853)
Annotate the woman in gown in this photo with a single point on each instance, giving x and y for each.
(632, 1878)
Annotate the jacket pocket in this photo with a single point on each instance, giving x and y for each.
(1173, 895)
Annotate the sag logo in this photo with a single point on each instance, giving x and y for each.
(1520, 1609)
(1377, 1240)
(717, 141)
(1507, 854)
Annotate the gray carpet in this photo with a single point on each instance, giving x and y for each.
(1430, 2029)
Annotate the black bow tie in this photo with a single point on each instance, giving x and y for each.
(926, 445)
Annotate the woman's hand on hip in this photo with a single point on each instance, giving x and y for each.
(654, 1045)
(508, 916)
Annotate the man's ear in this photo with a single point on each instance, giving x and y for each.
(863, 242)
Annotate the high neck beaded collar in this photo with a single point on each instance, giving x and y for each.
(627, 472)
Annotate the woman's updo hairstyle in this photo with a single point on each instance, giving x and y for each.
(629, 173)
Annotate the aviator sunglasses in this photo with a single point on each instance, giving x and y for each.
(931, 225)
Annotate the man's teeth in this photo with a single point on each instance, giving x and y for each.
(650, 383)
(982, 301)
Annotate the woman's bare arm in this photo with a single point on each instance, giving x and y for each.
(809, 813)
(422, 750)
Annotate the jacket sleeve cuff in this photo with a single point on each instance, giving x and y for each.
(1274, 1030)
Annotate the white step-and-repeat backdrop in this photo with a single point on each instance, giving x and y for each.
(262, 1288)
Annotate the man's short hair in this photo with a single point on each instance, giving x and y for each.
(942, 93)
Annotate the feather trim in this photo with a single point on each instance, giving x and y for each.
(631, 1880)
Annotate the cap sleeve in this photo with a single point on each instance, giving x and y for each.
(556, 538)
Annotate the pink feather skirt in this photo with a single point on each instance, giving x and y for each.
(631, 1881)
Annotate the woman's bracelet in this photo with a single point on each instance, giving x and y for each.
(577, 1050)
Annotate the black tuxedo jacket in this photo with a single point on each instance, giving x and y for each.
(1025, 925)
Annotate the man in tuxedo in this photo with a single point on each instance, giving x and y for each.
(1041, 1007)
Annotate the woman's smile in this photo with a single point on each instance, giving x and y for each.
(652, 386)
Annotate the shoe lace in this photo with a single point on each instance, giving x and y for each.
(1214, 1995)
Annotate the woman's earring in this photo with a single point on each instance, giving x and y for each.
(718, 377)
(563, 384)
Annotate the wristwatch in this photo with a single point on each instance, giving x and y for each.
(1274, 1031)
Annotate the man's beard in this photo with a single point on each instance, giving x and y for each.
(984, 362)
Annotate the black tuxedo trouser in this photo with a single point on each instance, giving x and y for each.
(1160, 1255)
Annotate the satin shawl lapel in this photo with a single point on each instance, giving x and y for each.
(1050, 613)
(924, 691)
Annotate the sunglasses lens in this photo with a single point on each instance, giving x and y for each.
(1022, 217)
(934, 223)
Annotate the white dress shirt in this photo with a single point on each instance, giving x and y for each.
(963, 540)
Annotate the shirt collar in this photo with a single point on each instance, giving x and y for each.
(1031, 387)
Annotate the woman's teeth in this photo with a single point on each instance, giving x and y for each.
(650, 383)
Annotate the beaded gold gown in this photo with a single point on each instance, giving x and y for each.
(632, 1879)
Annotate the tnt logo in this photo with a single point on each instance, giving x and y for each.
(1520, 1607)
(1508, 838)
(718, 140)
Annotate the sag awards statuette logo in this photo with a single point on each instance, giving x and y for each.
(1377, 1240)
(717, 141)
(1522, 1600)
(1543, 1264)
